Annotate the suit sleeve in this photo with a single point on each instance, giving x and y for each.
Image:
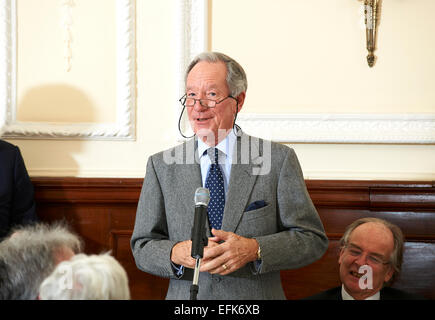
(23, 203)
(150, 242)
(302, 238)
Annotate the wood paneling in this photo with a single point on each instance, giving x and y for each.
(142, 285)
(103, 212)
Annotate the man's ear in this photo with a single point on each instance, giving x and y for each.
(389, 274)
(340, 257)
(240, 100)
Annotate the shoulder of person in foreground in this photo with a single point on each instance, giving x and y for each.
(15, 185)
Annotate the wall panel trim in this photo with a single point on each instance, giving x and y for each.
(122, 129)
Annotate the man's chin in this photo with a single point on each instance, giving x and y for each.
(210, 136)
(204, 132)
(353, 288)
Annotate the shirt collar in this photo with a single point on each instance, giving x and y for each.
(226, 146)
(347, 296)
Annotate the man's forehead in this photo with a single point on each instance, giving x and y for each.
(207, 85)
(206, 69)
(207, 75)
(372, 233)
(368, 228)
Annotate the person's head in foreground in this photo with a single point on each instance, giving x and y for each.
(87, 277)
(30, 253)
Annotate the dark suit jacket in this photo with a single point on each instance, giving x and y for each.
(387, 293)
(17, 206)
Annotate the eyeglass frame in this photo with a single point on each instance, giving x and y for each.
(375, 260)
(201, 101)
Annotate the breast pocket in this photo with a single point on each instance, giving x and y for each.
(257, 213)
(258, 222)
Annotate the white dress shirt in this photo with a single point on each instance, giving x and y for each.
(226, 148)
(347, 296)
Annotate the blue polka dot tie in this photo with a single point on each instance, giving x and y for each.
(215, 183)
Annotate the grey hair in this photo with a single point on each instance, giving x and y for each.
(93, 277)
(29, 254)
(236, 76)
(396, 257)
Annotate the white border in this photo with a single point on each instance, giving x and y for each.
(122, 129)
(192, 33)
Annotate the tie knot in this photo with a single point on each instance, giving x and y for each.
(213, 154)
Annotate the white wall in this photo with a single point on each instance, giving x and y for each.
(300, 57)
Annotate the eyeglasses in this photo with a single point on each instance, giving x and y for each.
(206, 103)
(372, 259)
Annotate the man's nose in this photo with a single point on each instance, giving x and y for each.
(198, 106)
(361, 260)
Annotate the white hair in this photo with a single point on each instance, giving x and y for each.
(30, 254)
(87, 277)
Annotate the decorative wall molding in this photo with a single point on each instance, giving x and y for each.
(7, 60)
(192, 34)
(122, 129)
(67, 23)
(341, 128)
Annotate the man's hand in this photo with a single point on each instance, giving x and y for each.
(230, 255)
(181, 253)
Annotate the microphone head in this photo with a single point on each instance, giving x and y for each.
(202, 196)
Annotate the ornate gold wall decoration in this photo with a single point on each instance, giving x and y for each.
(371, 18)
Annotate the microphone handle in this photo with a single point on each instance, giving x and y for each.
(199, 238)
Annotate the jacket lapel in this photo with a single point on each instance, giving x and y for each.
(189, 176)
(242, 180)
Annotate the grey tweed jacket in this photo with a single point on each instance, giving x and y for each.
(288, 228)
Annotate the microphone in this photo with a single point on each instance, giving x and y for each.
(199, 238)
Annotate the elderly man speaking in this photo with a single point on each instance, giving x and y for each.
(260, 221)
